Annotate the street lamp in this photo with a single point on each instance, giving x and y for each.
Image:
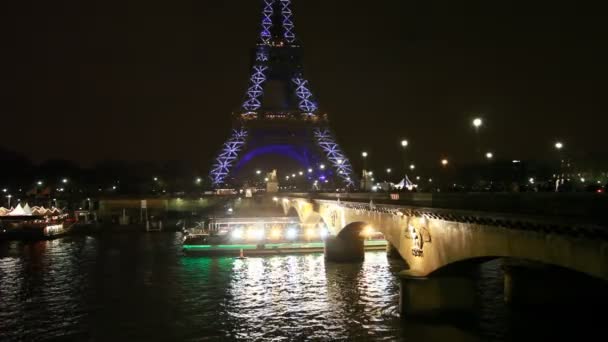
(9, 200)
(444, 162)
(489, 155)
(477, 122)
(39, 182)
(322, 166)
(559, 146)
(412, 167)
(258, 172)
(199, 180)
(404, 144)
(388, 170)
(64, 181)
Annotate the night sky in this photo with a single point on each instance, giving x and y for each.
(157, 80)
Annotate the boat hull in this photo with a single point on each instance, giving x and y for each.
(269, 249)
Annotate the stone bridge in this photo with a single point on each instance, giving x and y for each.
(439, 245)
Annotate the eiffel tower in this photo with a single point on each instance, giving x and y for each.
(280, 114)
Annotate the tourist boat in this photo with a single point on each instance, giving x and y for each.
(261, 236)
(36, 223)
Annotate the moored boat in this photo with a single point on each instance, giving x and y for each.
(261, 236)
(37, 223)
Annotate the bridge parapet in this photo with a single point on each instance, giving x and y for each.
(588, 208)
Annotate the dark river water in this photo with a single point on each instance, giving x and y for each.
(140, 287)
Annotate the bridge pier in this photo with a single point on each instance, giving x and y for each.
(344, 250)
(392, 252)
(436, 296)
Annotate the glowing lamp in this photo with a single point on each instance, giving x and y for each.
(275, 234)
(323, 233)
(291, 233)
(310, 233)
(237, 234)
(367, 231)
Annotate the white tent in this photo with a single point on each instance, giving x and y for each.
(405, 183)
(18, 211)
(27, 209)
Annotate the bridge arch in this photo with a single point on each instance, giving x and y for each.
(353, 230)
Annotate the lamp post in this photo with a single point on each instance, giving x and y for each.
(560, 174)
(404, 145)
(9, 200)
(477, 123)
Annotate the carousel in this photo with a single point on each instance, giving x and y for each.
(36, 223)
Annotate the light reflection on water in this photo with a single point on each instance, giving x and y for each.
(141, 287)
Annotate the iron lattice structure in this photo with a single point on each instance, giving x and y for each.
(260, 126)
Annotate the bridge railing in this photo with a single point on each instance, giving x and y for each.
(586, 207)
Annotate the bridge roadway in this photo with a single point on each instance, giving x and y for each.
(552, 245)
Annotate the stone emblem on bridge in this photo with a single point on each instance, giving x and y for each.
(420, 236)
(333, 217)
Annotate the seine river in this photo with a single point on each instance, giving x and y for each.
(139, 287)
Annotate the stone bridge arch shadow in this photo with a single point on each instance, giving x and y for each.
(348, 244)
(455, 287)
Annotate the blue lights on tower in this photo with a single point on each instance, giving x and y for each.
(288, 26)
(305, 95)
(265, 35)
(278, 61)
(335, 155)
(228, 156)
(256, 89)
